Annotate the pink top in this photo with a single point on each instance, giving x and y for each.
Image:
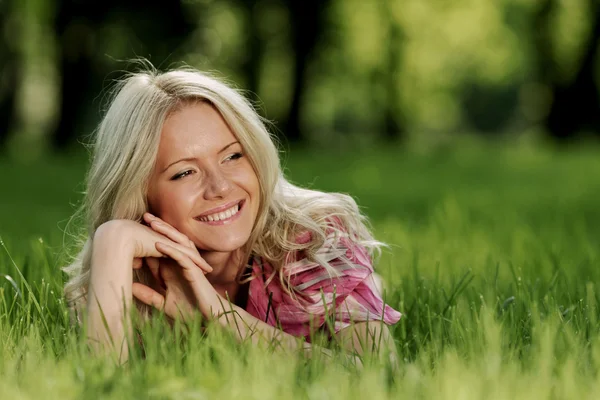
(356, 293)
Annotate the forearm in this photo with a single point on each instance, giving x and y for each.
(247, 327)
(370, 338)
(110, 297)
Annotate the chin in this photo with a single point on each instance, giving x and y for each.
(224, 246)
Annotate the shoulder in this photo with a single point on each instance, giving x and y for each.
(335, 240)
(336, 278)
(338, 263)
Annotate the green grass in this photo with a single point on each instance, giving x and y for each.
(493, 261)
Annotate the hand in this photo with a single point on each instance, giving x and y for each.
(171, 292)
(140, 241)
(182, 284)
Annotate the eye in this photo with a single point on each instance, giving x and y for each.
(234, 156)
(182, 175)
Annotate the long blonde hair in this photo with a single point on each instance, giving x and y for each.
(125, 149)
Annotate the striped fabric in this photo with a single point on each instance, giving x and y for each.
(354, 295)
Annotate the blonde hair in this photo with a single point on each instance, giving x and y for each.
(125, 149)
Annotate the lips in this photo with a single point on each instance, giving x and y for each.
(221, 213)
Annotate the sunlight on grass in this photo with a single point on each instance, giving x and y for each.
(493, 261)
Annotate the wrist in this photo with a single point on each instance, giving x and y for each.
(217, 308)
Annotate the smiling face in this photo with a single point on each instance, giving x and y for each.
(203, 184)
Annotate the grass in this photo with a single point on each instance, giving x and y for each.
(493, 261)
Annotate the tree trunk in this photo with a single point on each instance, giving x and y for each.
(160, 27)
(575, 105)
(393, 129)
(9, 70)
(252, 63)
(306, 28)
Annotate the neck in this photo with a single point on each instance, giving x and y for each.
(225, 270)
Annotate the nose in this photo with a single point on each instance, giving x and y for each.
(218, 185)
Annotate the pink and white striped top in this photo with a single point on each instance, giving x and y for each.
(353, 296)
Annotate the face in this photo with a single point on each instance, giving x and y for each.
(203, 184)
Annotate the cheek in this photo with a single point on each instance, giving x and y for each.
(170, 204)
(253, 187)
(249, 181)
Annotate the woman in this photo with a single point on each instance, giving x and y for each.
(187, 211)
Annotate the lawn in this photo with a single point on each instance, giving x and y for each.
(493, 261)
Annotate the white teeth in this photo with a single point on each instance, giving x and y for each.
(222, 215)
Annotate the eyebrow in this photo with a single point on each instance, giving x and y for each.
(193, 158)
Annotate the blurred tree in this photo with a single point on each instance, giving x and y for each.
(575, 103)
(251, 65)
(307, 24)
(158, 27)
(9, 68)
(489, 107)
(393, 128)
(454, 55)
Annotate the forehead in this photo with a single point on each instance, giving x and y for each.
(194, 128)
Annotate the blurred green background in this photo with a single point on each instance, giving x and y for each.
(401, 86)
(466, 129)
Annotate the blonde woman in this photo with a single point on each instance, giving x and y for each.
(187, 211)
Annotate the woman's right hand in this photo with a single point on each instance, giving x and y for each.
(181, 285)
(119, 247)
(140, 241)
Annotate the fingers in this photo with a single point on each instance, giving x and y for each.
(182, 242)
(191, 254)
(183, 259)
(137, 263)
(169, 231)
(148, 296)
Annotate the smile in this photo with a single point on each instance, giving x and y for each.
(224, 216)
